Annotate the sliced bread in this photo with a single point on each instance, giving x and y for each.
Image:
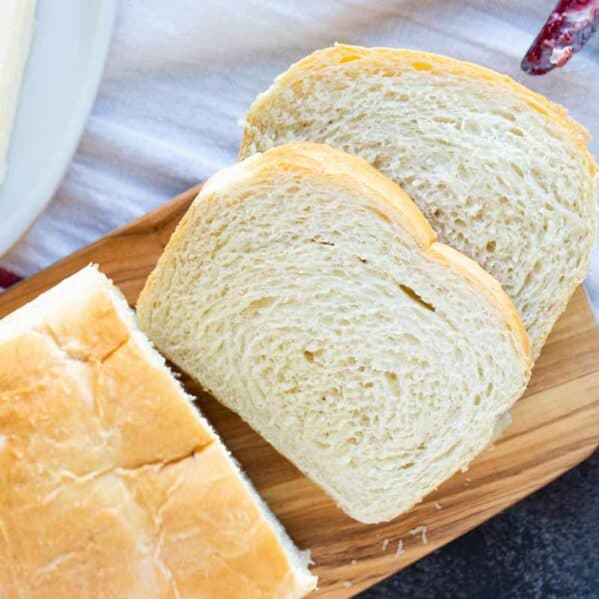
(111, 483)
(307, 292)
(502, 174)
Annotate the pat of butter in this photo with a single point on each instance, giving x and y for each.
(16, 27)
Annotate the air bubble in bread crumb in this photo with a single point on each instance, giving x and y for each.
(385, 544)
(420, 530)
(399, 549)
(438, 506)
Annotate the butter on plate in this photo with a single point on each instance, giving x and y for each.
(16, 28)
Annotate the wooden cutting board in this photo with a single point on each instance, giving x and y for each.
(555, 426)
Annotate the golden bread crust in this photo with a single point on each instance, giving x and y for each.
(397, 60)
(111, 484)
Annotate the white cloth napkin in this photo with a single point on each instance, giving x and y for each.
(181, 73)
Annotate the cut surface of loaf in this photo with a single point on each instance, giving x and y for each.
(307, 293)
(111, 483)
(502, 174)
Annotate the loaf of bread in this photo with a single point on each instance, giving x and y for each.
(502, 174)
(307, 292)
(111, 483)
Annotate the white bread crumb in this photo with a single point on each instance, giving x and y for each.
(385, 544)
(438, 506)
(399, 549)
(420, 530)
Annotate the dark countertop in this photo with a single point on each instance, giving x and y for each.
(546, 546)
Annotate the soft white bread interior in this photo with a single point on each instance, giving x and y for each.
(111, 483)
(307, 293)
(502, 174)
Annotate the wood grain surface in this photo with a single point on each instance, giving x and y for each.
(555, 426)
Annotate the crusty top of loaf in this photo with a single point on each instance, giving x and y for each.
(111, 483)
(397, 207)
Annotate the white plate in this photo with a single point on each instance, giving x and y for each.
(70, 43)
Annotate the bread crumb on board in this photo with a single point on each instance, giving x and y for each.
(347, 584)
(420, 530)
(399, 549)
(438, 506)
(354, 562)
(385, 544)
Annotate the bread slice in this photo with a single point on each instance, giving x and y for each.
(111, 483)
(502, 174)
(307, 293)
